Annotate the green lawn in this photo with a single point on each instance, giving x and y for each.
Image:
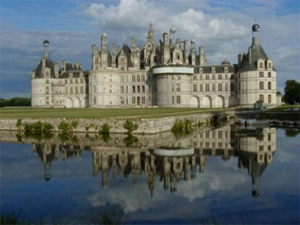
(100, 113)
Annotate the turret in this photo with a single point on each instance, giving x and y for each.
(46, 49)
(240, 57)
(47, 175)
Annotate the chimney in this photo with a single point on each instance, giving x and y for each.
(166, 39)
(240, 57)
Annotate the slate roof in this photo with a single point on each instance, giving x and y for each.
(257, 52)
(49, 64)
(127, 53)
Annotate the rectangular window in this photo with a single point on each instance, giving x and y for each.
(66, 81)
(173, 100)
(133, 78)
(95, 100)
(122, 78)
(269, 85)
(220, 76)
(269, 99)
(201, 87)
(261, 98)
(269, 74)
(94, 89)
(261, 74)
(194, 77)
(81, 90)
(76, 81)
(143, 100)
(143, 78)
(71, 90)
(133, 89)
(226, 87)
(143, 89)
(122, 89)
(207, 87)
(138, 78)
(195, 87)
(206, 77)
(178, 99)
(270, 65)
(213, 87)
(138, 89)
(178, 87)
(261, 85)
(81, 80)
(126, 89)
(232, 87)
(213, 77)
(133, 100)
(269, 137)
(219, 87)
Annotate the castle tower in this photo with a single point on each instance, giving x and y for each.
(256, 76)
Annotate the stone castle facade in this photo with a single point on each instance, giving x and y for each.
(171, 73)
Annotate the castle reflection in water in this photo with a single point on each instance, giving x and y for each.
(168, 159)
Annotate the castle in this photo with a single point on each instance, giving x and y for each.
(169, 74)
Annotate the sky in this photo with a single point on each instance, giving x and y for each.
(72, 26)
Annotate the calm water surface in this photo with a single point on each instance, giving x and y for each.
(229, 175)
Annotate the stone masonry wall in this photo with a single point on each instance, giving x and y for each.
(145, 126)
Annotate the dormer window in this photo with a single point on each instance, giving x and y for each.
(122, 60)
(270, 65)
(213, 69)
(261, 65)
(201, 70)
(225, 69)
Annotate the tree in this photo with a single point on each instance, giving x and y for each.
(292, 92)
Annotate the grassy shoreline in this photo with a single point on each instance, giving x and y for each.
(103, 113)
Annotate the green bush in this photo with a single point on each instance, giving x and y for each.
(38, 130)
(65, 127)
(182, 127)
(130, 141)
(74, 124)
(19, 123)
(105, 129)
(218, 119)
(130, 126)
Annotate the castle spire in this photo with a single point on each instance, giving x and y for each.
(151, 32)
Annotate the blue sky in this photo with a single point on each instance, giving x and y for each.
(72, 26)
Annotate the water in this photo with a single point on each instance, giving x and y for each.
(228, 175)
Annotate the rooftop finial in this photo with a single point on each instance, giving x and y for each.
(255, 27)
